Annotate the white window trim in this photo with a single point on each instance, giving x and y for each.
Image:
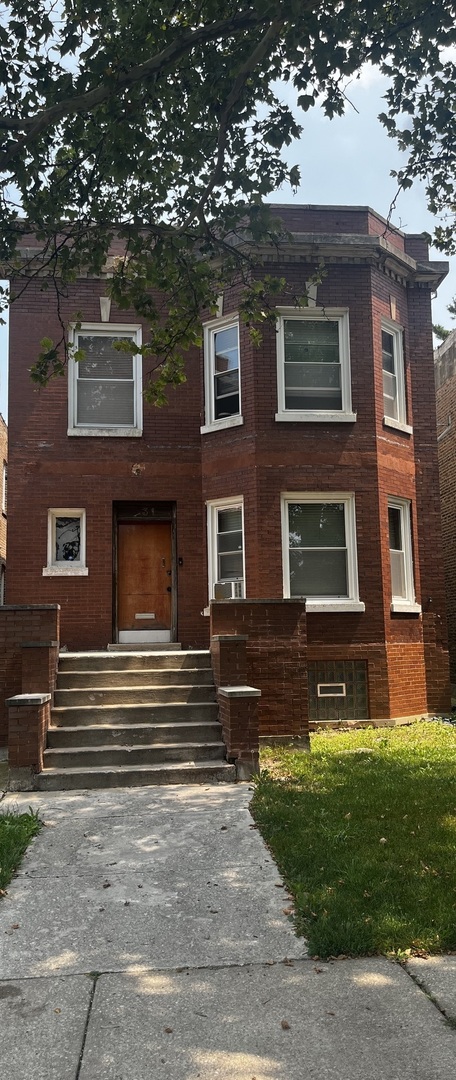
(209, 330)
(109, 430)
(59, 569)
(329, 604)
(397, 333)
(346, 414)
(406, 605)
(4, 488)
(212, 508)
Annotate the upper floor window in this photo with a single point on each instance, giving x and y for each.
(394, 403)
(319, 551)
(222, 373)
(313, 365)
(226, 549)
(105, 385)
(401, 562)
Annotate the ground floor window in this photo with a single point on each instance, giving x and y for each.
(401, 562)
(226, 549)
(66, 544)
(319, 550)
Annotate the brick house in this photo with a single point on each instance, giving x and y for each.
(303, 468)
(445, 383)
(3, 501)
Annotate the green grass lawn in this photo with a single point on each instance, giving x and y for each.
(16, 832)
(364, 832)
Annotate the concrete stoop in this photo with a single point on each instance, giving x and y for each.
(128, 719)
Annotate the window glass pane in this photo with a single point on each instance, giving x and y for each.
(318, 400)
(226, 349)
(226, 384)
(312, 375)
(101, 360)
(318, 573)
(388, 351)
(230, 520)
(395, 531)
(230, 566)
(390, 404)
(316, 524)
(67, 539)
(311, 340)
(398, 585)
(230, 541)
(107, 402)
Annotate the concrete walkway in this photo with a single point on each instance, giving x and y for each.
(146, 937)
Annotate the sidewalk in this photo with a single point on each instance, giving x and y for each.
(146, 938)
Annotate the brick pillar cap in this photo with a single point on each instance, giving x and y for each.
(239, 691)
(27, 699)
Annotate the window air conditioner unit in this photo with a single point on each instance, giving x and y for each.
(229, 590)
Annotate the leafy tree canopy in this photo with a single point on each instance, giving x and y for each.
(162, 124)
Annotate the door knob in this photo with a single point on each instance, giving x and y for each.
(169, 588)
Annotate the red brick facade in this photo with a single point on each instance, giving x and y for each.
(373, 273)
(445, 380)
(3, 504)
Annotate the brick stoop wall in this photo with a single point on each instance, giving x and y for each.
(262, 643)
(29, 649)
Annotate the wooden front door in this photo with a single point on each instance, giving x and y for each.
(144, 581)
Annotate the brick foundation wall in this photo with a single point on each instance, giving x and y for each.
(28, 660)
(275, 652)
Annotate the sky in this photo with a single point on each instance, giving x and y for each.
(345, 161)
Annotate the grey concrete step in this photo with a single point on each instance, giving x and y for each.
(118, 661)
(74, 680)
(144, 695)
(159, 712)
(150, 647)
(95, 756)
(133, 734)
(202, 772)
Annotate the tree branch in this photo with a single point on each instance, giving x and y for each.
(34, 125)
(232, 99)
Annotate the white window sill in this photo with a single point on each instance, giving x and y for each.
(221, 425)
(334, 605)
(292, 417)
(405, 608)
(65, 571)
(113, 432)
(389, 421)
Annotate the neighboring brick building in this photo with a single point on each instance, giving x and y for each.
(307, 466)
(445, 383)
(3, 502)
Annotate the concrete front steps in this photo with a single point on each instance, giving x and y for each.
(128, 719)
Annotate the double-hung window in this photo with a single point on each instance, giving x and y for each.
(222, 374)
(394, 403)
(226, 549)
(313, 365)
(319, 551)
(401, 562)
(66, 545)
(105, 383)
